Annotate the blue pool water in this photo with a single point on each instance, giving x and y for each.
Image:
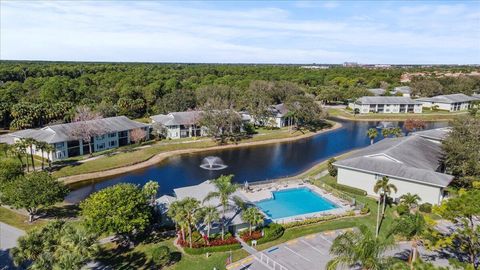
(294, 202)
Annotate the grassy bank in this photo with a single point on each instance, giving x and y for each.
(426, 116)
(130, 156)
(18, 220)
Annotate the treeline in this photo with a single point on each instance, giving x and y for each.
(33, 94)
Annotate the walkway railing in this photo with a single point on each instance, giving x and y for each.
(269, 262)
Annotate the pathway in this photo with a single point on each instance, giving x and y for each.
(8, 240)
(245, 246)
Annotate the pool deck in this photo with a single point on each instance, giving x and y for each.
(265, 191)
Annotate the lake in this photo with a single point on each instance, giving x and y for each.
(250, 163)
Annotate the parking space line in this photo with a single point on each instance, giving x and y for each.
(323, 237)
(310, 245)
(299, 255)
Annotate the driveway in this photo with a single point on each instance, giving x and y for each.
(8, 239)
(312, 252)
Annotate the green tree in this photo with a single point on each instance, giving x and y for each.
(332, 170)
(225, 189)
(150, 189)
(191, 215)
(210, 214)
(121, 209)
(49, 148)
(372, 133)
(360, 248)
(160, 255)
(384, 188)
(306, 111)
(42, 147)
(462, 210)
(176, 214)
(412, 227)
(253, 216)
(18, 150)
(10, 169)
(462, 150)
(32, 192)
(221, 121)
(57, 245)
(31, 142)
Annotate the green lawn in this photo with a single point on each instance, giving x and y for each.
(427, 115)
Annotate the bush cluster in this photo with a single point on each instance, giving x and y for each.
(348, 189)
(316, 220)
(160, 255)
(203, 250)
(246, 236)
(364, 210)
(402, 209)
(425, 208)
(212, 243)
(271, 232)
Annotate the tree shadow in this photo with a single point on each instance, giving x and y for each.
(69, 211)
(6, 261)
(122, 258)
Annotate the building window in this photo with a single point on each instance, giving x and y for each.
(112, 143)
(123, 134)
(59, 145)
(100, 137)
(101, 146)
(111, 135)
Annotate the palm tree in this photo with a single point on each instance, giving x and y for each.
(372, 133)
(412, 227)
(49, 148)
(360, 248)
(410, 199)
(385, 188)
(210, 214)
(151, 189)
(18, 151)
(175, 212)
(191, 215)
(396, 131)
(386, 132)
(253, 217)
(22, 146)
(41, 146)
(30, 142)
(225, 189)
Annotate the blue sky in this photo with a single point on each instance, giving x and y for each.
(397, 32)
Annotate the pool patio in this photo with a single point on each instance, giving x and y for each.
(259, 192)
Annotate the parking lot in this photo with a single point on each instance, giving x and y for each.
(312, 252)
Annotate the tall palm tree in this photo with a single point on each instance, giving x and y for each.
(210, 214)
(41, 146)
(372, 133)
(17, 151)
(22, 146)
(176, 213)
(192, 214)
(410, 199)
(49, 148)
(384, 188)
(253, 217)
(31, 142)
(386, 132)
(359, 248)
(412, 227)
(225, 189)
(396, 131)
(151, 189)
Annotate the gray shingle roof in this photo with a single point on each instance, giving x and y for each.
(62, 132)
(438, 134)
(477, 96)
(178, 118)
(402, 89)
(386, 100)
(377, 91)
(412, 158)
(453, 98)
(279, 110)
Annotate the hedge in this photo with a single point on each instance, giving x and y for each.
(272, 232)
(425, 208)
(349, 189)
(316, 220)
(203, 250)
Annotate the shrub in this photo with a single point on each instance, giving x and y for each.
(246, 236)
(364, 210)
(160, 255)
(203, 250)
(402, 209)
(352, 190)
(426, 208)
(271, 232)
(316, 220)
(332, 170)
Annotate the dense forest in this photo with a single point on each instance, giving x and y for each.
(33, 94)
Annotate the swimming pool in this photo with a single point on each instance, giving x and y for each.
(294, 202)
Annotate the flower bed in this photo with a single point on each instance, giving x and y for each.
(212, 243)
(246, 236)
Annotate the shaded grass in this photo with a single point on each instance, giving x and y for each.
(18, 220)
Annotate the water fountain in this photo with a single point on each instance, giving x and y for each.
(213, 163)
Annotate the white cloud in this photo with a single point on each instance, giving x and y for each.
(156, 31)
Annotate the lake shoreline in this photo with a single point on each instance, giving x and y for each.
(73, 179)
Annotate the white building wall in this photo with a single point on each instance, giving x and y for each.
(366, 181)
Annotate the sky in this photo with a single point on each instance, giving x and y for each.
(298, 32)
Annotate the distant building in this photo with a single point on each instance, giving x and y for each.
(405, 91)
(377, 91)
(280, 116)
(451, 103)
(350, 64)
(386, 105)
(115, 132)
(411, 163)
(315, 67)
(180, 124)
